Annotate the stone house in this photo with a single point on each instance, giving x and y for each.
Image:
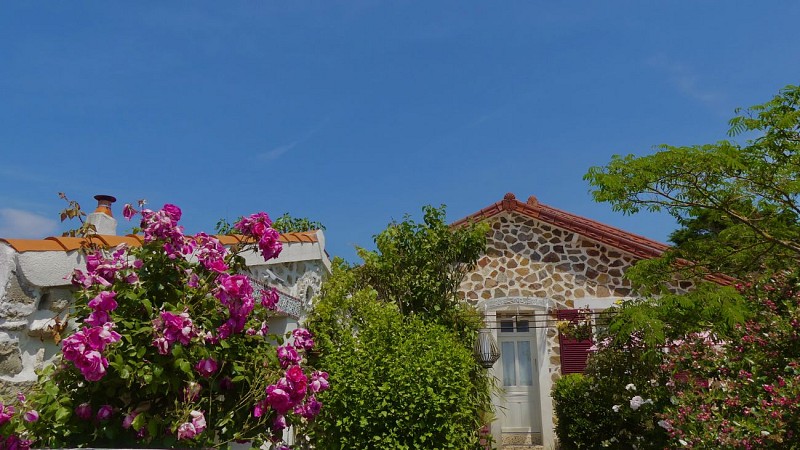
(541, 265)
(36, 296)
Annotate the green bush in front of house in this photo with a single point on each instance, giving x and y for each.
(581, 417)
(400, 382)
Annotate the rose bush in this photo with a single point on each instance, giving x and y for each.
(743, 391)
(171, 348)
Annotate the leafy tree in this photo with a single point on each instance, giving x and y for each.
(744, 196)
(395, 323)
(719, 368)
(419, 267)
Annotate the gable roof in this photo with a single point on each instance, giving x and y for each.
(634, 244)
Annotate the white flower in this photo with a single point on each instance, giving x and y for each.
(630, 387)
(638, 401)
(764, 433)
(665, 425)
(615, 408)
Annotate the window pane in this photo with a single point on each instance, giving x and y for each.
(509, 369)
(525, 363)
(522, 326)
(507, 326)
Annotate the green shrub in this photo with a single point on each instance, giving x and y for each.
(580, 415)
(396, 382)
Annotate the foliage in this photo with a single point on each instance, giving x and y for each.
(745, 196)
(283, 224)
(419, 267)
(578, 329)
(717, 366)
(171, 349)
(398, 342)
(289, 224)
(401, 382)
(741, 391)
(615, 403)
(581, 418)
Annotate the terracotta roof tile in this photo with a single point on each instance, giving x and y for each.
(68, 243)
(60, 243)
(302, 236)
(33, 245)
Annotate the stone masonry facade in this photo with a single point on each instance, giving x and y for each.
(528, 258)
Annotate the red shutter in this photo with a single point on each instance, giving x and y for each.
(573, 351)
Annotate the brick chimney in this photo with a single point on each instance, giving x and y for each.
(102, 218)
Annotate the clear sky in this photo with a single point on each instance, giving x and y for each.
(356, 113)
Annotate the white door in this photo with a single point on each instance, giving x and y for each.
(517, 370)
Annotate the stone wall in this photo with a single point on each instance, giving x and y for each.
(528, 258)
(300, 279)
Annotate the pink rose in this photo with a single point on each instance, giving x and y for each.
(278, 399)
(269, 298)
(97, 318)
(303, 339)
(93, 365)
(172, 211)
(319, 381)
(162, 345)
(128, 212)
(6, 412)
(295, 374)
(198, 420)
(105, 412)
(84, 411)
(128, 420)
(287, 356)
(279, 423)
(186, 431)
(206, 367)
(31, 416)
(104, 301)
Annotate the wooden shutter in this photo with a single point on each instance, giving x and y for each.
(573, 352)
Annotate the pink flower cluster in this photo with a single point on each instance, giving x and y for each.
(303, 339)
(6, 413)
(269, 298)
(85, 349)
(102, 269)
(210, 252)
(163, 225)
(195, 426)
(101, 305)
(171, 328)
(294, 391)
(258, 226)
(14, 442)
(236, 293)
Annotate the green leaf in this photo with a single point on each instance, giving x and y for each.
(62, 414)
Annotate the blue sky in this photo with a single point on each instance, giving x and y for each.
(356, 113)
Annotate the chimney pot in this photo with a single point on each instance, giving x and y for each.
(104, 204)
(102, 218)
